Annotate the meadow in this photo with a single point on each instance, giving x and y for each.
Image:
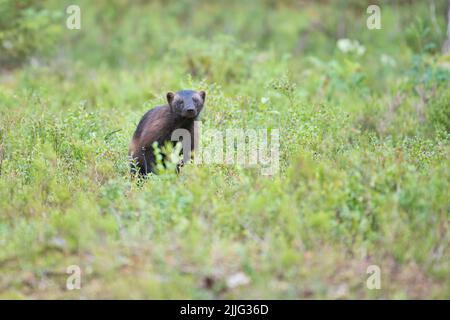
(364, 163)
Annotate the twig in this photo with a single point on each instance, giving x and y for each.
(392, 109)
(111, 133)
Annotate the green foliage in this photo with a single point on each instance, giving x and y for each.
(438, 111)
(26, 28)
(364, 145)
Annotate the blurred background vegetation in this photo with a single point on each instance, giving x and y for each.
(364, 117)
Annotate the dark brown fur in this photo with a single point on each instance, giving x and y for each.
(158, 125)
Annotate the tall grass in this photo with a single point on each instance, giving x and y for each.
(364, 155)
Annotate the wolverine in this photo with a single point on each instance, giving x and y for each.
(158, 124)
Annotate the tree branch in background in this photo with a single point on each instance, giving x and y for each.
(446, 46)
(433, 17)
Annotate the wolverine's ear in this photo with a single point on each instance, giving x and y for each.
(170, 95)
(202, 94)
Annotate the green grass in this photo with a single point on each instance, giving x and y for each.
(364, 156)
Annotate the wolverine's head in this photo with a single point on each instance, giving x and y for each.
(186, 103)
